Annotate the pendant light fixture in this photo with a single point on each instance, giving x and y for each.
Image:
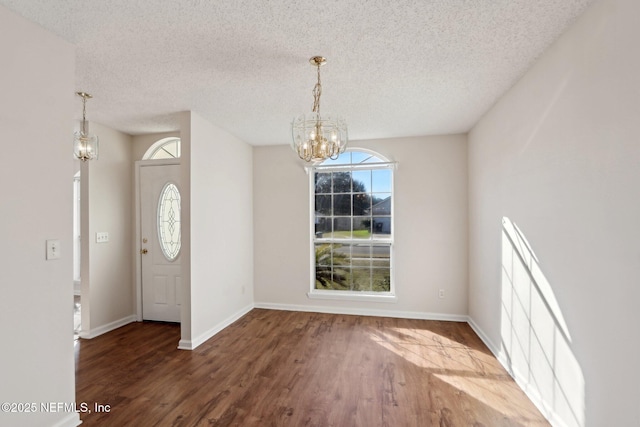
(85, 144)
(318, 137)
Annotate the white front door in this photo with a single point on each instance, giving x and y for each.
(160, 234)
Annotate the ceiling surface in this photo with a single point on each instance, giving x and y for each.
(394, 68)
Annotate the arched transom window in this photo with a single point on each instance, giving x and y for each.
(166, 148)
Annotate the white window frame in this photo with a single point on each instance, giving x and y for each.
(329, 294)
(159, 145)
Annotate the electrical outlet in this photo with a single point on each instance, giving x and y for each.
(441, 293)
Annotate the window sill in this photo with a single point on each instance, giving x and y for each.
(351, 296)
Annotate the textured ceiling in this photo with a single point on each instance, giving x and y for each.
(395, 68)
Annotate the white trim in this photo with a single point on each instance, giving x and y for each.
(364, 312)
(185, 345)
(138, 236)
(352, 296)
(108, 327)
(485, 338)
(159, 144)
(194, 343)
(345, 295)
(71, 420)
(520, 379)
(357, 166)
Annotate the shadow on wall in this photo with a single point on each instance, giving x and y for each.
(535, 338)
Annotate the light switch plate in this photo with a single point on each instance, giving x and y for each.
(102, 237)
(53, 249)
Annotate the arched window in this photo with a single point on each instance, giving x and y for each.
(166, 148)
(352, 225)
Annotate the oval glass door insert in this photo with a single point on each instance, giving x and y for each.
(169, 221)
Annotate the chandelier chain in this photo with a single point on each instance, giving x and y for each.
(317, 91)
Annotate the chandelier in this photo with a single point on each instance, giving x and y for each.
(318, 137)
(85, 145)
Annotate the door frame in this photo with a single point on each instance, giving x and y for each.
(138, 235)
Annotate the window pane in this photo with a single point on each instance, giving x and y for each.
(361, 204)
(374, 159)
(341, 182)
(341, 255)
(362, 181)
(323, 227)
(362, 227)
(342, 204)
(169, 148)
(362, 157)
(381, 181)
(163, 153)
(362, 279)
(323, 183)
(381, 256)
(342, 228)
(381, 204)
(323, 205)
(323, 254)
(361, 251)
(381, 279)
(381, 226)
(332, 267)
(361, 261)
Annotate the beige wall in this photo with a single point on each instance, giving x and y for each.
(107, 271)
(218, 233)
(430, 229)
(559, 156)
(36, 311)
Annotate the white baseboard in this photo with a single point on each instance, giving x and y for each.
(520, 379)
(185, 345)
(108, 327)
(71, 420)
(194, 343)
(485, 339)
(364, 312)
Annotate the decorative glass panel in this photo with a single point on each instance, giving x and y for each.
(169, 221)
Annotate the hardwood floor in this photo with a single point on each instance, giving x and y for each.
(273, 368)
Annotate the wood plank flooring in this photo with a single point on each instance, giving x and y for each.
(279, 368)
